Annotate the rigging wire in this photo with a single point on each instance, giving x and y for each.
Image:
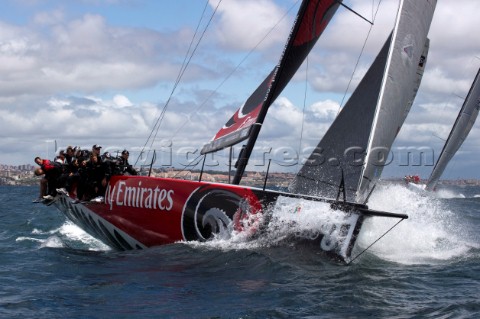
(303, 111)
(233, 71)
(354, 12)
(374, 242)
(374, 14)
(193, 164)
(188, 56)
(361, 52)
(178, 76)
(184, 66)
(183, 70)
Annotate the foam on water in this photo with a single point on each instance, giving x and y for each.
(47, 238)
(52, 242)
(290, 218)
(431, 233)
(447, 194)
(76, 234)
(302, 218)
(24, 238)
(441, 193)
(66, 235)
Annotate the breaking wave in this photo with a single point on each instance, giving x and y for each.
(447, 194)
(291, 219)
(67, 235)
(431, 233)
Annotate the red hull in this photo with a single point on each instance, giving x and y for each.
(140, 212)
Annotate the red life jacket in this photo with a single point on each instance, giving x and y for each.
(47, 165)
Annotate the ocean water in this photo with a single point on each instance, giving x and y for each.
(426, 267)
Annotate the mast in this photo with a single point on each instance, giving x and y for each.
(312, 18)
(462, 126)
(247, 152)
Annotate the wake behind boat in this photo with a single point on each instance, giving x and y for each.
(141, 211)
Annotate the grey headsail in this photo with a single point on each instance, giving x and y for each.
(409, 37)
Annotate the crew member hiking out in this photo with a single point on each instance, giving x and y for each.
(52, 172)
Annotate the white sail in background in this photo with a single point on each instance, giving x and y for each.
(409, 38)
(463, 124)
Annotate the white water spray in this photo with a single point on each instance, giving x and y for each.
(66, 235)
(431, 233)
(291, 219)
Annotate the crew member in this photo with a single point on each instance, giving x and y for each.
(52, 172)
(123, 167)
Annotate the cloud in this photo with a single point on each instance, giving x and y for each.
(325, 110)
(90, 76)
(244, 23)
(81, 55)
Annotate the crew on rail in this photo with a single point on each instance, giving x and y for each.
(81, 172)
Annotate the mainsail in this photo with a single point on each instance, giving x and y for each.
(312, 18)
(408, 39)
(339, 157)
(341, 151)
(463, 124)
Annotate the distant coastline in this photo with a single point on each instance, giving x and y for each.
(22, 175)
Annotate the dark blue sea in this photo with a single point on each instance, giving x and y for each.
(426, 267)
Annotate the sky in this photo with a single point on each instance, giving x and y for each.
(90, 72)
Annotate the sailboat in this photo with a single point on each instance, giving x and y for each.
(339, 158)
(140, 211)
(459, 132)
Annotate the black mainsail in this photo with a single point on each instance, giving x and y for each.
(312, 19)
(341, 151)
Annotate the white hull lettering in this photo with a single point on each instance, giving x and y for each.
(139, 197)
